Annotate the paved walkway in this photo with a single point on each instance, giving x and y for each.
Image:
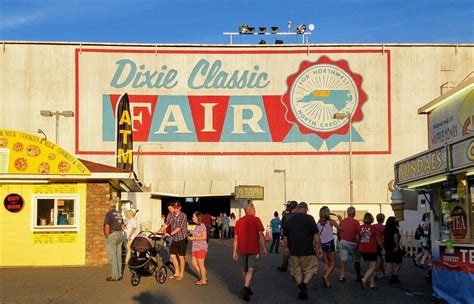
(88, 285)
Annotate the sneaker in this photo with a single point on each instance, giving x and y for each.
(302, 287)
(111, 279)
(282, 269)
(302, 295)
(245, 293)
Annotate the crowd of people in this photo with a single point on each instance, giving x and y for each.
(303, 239)
(306, 239)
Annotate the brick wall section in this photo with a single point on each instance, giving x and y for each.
(96, 208)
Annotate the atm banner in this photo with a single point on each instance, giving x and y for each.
(251, 103)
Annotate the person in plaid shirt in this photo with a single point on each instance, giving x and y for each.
(179, 231)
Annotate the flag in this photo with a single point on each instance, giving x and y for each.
(124, 137)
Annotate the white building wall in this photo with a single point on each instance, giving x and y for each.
(38, 77)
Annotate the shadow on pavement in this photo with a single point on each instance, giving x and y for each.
(146, 297)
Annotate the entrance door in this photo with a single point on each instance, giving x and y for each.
(214, 205)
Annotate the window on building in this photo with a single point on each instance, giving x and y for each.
(56, 212)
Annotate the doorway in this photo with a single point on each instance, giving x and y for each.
(214, 205)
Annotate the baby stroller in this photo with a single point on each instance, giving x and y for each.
(146, 257)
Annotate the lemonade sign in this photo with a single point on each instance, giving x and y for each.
(23, 153)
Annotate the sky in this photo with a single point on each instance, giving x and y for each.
(205, 21)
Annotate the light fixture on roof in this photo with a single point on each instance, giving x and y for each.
(275, 29)
(300, 29)
(46, 113)
(262, 42)
(262, 30)
(311, 27)
(243, 29)
(289, 26)
(278, 41)
(251, 30)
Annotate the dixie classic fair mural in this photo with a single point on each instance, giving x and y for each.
(236, 102)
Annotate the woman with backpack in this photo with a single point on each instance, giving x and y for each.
(423, 234)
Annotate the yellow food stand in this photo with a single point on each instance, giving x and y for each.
(53, 202)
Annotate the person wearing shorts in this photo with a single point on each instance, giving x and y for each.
(199, 248)
(349, 240)
(179, 231)
(369, 238)
(249, 241)
(301, 235)
(325, 227)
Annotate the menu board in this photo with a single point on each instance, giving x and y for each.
(54, 237)
(23, 153)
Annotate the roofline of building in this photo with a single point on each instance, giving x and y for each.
(429, 107)
(79, 43)
(126, 181)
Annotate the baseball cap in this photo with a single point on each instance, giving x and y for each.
(292, 204)
(175, 204)
(302, 205)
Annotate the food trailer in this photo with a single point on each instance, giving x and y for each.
(54, 203)
(445, 174)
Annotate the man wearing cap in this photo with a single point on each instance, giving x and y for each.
(113, 225)
(301, 235)
(179, 231)
(249, 241)
(290, 210)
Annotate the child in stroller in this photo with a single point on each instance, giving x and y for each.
(146, 258)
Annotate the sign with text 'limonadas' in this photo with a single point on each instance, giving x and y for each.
(216, 101)
(23, 153)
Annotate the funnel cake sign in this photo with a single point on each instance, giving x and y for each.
(228, 104)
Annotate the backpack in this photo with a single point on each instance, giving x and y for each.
(418, 233)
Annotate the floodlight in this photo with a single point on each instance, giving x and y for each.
(275, 29)
(277, 41)
(300, 29)
(251, 30)
(262, 42)
(243, 29)
(46, 113)
(289, 26)
(311, 27)
(262, 30)
(67, 113)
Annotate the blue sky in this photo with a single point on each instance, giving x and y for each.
(204, 21)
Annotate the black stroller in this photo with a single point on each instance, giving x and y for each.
(146, 257)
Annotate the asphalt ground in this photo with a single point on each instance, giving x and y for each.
(88, 285)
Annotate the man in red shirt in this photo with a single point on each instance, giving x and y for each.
(249, 240)
(348, 242)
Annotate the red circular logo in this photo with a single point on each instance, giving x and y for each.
(13, 202)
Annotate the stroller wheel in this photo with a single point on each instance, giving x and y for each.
(161, 275)
(135, 280)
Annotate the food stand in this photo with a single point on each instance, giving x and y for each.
(445, 173)
(54, 203)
